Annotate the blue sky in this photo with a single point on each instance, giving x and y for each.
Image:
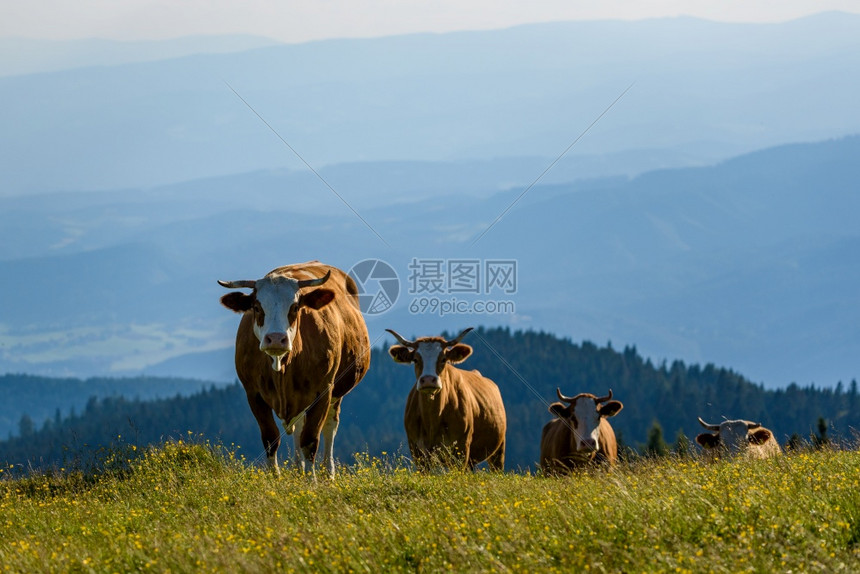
(305, 20)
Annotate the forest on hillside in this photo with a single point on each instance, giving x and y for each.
(42, 398)
(527, 366)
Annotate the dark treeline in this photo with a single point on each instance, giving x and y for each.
(38, 397)
(76, 441)
(528, 366)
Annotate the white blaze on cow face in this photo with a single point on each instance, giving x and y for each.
(586, 422)
(428, 367)
(275, 312)
(735, 436)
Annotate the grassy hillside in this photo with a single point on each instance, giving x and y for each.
(184, 507)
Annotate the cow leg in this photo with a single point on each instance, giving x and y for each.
(496, 462)
(309, 437)
(467, 457)
(332, 421)
(297, 443)
(269, 432)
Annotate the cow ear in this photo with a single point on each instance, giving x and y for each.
(458, 353)
(560, 410)
(401, 354)
(759, 436)
(238, 302)
(708, 440)
(610, 409)
(317, 299)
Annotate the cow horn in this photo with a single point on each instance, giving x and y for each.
(751, 426)
(603, 399)
(315, 282)
(561, 397)
(707, 426)
(401, 340)
(244, 284)
(458, 338)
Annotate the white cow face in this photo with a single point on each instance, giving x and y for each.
(430, 357)
(276, 304)
(734, 437)
(583, 416)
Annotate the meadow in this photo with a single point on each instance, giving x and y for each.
(187, 506)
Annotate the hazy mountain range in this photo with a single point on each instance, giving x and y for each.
(752, 263)
(131, 183)
(20, 56)
(702, 91)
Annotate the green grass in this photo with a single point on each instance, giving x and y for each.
(186, 508)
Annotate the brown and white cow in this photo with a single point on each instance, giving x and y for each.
(450, 413)
(580, 434)
(737, 438)
(302, 345)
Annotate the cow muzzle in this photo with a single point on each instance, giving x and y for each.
(429, 385)
(275, 344)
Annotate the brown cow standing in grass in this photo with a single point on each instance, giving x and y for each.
(450, 413)
(302, 345)
(737, 438)
(580, 435)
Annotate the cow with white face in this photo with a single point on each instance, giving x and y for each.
(580, 434)
(276, 302)
(450, 413)
(302, 345)
(740, 438)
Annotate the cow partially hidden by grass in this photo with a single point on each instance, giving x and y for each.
(580, 434)
(737, 438)
(302, 345)
(453, 417)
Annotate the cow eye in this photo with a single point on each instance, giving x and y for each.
(258, 310)
(259, 314)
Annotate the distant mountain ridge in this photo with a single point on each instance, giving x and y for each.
(751, 263)
(703, 90)
(21, 56)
